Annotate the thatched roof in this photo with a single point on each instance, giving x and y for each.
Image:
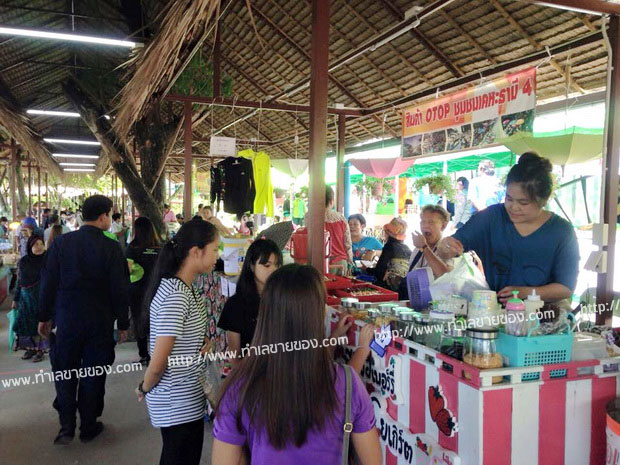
(462, 38)
(17, 125)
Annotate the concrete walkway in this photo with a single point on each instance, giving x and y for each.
(28, 423)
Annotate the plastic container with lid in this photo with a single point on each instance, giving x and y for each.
(362, 305)
(515, 316)
(347, 302)
(481, 351)
(387, 308)
(588, 346)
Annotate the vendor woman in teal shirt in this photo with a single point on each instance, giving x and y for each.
(522, 246)
(364, 247)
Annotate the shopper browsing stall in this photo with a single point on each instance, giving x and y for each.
(392, 265)
(288, 406)
(26, 299)
(522, 246)
(240, 312)
(141, 254)
(174, 392)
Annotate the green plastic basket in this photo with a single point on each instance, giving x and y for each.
(526, 351)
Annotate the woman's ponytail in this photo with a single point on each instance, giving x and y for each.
(194, 233)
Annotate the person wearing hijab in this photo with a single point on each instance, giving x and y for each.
(26, 299)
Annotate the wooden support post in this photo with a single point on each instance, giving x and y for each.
(187, 139)
(39, 194)
(318, 132)
(340, 162)
(29, 190)
(13, 180)
(123, 204)
(605, 281)
(217, 66)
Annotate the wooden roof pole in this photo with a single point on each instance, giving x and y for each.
(369, 45)
(605, 281)
(536, 45)
(29, 189)
(588, 39)
(187, 139)
(217, 61)
(12, 179)
(342, 126)
(318, 133)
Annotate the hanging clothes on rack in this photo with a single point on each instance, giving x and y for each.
(261, 164)
(216, 186)
(236, 185)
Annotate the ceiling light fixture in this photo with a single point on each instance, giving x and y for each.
(69, 37)
(88, 170)
(67, 114)
(72, 141)
(74, 155)
(76, 164)
(64, 114)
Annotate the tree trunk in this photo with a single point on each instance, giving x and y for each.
(151, 137)
(122, 162)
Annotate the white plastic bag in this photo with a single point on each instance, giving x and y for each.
(464, 278)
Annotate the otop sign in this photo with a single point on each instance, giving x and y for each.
(471, 118)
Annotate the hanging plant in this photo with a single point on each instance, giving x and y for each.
(438, 184)
(377, 188)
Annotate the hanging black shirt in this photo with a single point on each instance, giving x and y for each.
(237, 188)
(239, 316)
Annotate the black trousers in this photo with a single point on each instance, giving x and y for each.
(182, 443)
(83, 390)
(136, 295)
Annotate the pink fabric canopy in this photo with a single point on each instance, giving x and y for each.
(382, 167)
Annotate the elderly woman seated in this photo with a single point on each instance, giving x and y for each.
(392, 265)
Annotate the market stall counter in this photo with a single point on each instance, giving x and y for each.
(432, 408)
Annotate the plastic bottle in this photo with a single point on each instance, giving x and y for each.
(533, 304)
(515, 316)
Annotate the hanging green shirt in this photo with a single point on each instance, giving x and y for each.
(299, 208)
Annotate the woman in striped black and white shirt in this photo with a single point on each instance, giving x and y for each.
(173, 382)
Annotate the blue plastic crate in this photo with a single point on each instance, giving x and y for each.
(526, 351)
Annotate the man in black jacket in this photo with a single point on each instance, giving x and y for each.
(84, 289)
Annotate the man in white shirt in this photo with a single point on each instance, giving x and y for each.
(117, 227)
(485, 189)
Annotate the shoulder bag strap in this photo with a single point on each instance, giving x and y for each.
(348, 426)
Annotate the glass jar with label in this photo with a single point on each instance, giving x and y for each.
(406, 317)
(421, 323)
(453, 342)
(481, 350)
(439, 321)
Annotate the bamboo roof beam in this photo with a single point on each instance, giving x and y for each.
(439, 55)
(468, 36)
(338, 33)
(537, 46)
(404, 59)
(338, 84)
(597, 7)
